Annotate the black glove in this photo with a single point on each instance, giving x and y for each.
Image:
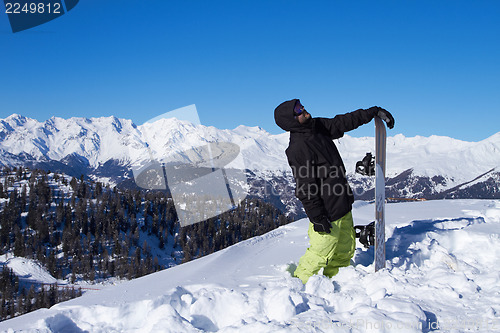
(322, 224)
(383, 114)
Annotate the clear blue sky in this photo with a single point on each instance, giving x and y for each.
(434, 64)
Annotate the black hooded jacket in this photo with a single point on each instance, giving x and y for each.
(318, 169)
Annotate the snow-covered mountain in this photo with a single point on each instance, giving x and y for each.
(99, 140)
(107, 148)
(442, 275)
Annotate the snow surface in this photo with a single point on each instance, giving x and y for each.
(27, 269)
(442, 275)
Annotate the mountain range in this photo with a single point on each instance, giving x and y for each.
(109, 150)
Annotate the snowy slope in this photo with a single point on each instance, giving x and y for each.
(27, 269)
(442, 275)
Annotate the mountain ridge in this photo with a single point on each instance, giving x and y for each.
(107, 148)
(45, 138)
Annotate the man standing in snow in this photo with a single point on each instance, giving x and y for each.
(321, 183)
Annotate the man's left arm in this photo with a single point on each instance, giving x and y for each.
(342, 123)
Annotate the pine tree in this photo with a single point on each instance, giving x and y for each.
(3, 308)
(52, 295)
(30, 299)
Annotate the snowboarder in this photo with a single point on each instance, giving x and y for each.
(321, 183)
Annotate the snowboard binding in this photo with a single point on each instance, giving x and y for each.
(366, 166)
(366, 234)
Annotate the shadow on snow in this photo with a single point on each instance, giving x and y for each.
(399, 245)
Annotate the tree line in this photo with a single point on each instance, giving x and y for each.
(84, 230)
(17, 299)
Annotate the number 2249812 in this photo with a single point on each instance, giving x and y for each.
(32, 8)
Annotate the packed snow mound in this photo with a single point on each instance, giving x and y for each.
(28, 270)
(442, 275)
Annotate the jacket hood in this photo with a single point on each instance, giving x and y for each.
(285, 119)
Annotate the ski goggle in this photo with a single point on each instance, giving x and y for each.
(298, 109)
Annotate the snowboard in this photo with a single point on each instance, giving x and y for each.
(380, 140)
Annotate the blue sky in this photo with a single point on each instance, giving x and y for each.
(434, 64)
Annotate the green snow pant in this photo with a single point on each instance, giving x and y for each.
(328, 251)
